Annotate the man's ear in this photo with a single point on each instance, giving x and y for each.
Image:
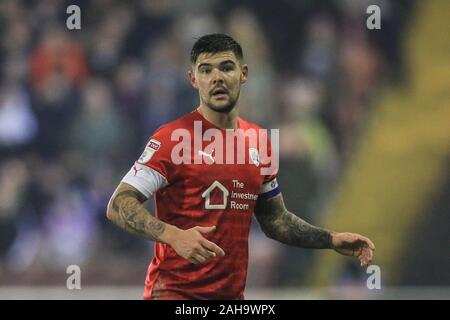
(192, 79)
(244, 73)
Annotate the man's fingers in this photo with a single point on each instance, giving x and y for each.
(197, 259)
(193, 261)
(367, 253)
(370, 254)
(211, 246)
(202, 254)
(362, 260)
(200, 258)
(365, 257)
(205, 253)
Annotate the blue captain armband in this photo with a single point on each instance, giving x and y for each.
(269, 189)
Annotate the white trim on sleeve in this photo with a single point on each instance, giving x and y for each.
(145, 179)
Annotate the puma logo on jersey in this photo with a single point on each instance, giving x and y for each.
(136, 170)
(202, 153)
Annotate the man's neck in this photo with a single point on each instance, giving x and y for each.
(222, 120)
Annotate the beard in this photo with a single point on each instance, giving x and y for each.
(224, 108)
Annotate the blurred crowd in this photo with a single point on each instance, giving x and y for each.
(77, 107)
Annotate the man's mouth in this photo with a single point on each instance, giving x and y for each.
(219, 93)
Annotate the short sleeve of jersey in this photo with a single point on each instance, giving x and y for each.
(144, 179)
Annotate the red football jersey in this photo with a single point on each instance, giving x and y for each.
(196, 183)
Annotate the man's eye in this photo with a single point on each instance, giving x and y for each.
(227, 68)
(205, 70)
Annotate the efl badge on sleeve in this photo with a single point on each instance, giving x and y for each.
(149, 151)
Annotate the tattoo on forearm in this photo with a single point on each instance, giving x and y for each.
(280, 224)
(133, 217)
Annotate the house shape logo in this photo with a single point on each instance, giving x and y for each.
(207, 196)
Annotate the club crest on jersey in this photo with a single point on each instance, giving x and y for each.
(152, 146)
(254, 156)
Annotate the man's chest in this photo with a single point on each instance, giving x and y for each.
(219, 186)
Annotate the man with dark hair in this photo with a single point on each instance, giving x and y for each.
(215, 43)
(204, 203)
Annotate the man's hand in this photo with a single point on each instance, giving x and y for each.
(191, 245)
(353, 244)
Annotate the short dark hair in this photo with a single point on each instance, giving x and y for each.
(214, 43)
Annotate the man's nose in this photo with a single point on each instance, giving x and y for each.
(217, 76)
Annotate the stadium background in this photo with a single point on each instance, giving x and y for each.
(364, 129)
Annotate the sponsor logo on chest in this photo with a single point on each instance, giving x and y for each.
(236, 198)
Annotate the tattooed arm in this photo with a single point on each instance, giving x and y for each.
(281, 225)
(125, 209)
